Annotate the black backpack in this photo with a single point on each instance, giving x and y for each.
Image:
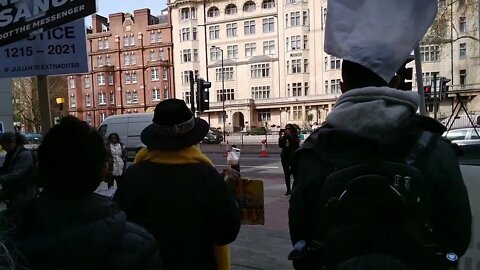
(378, 208)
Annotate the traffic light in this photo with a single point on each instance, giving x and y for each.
(203, 97)
(428, 93)
(443, 89)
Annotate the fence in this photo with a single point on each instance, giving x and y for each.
(242, 139)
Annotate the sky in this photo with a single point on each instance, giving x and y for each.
(105, 7)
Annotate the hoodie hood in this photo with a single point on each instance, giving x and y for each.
(78, 230)
(374, 112)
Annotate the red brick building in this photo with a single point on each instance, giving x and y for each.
(131, 66)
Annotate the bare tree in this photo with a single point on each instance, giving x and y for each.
(25, 100)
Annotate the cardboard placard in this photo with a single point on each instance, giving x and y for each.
(250, 196)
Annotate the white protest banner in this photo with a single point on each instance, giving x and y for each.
(61, 50)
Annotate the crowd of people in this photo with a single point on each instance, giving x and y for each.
(375, 186)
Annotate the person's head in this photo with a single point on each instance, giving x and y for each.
(10, 141)
(113, 138)
(291, 129)
(72, 158)
(174, 127)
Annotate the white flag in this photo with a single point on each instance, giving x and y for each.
(377, 34)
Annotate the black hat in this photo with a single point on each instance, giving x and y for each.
(7, 137)
(174, 127)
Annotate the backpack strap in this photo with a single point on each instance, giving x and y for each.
(419, 147)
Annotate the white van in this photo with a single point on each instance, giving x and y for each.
(128, 127)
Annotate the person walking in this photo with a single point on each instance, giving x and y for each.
(289, 142)
(69, 226)
(174, 191)
(117, 160)
(17, 173)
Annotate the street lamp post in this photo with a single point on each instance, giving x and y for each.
(223, 92)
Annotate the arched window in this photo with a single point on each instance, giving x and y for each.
(213, 12)
(231, 9)
(268, 4)
(249, 6)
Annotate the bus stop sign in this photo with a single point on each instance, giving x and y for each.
(20, 18)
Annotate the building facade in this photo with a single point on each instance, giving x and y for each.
(131, 66)
(275, 70)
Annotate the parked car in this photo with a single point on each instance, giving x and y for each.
(463, 136)
(217, 133)
(210, 138)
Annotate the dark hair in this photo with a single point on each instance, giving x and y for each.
(293, 128)
(113, 134)
(357, 76)
(71, 158)
(20, 139)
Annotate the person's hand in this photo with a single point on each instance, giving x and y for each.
(231, 177)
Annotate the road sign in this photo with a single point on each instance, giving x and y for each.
(61, 50)
(19, 18)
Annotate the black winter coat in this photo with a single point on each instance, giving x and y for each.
(187, 208)
(87, 233)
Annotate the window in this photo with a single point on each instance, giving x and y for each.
(324, 17)
(326, 62)
(134, 77)
(112, 98)
(305, 18)
(134, 97)
(128, 78)
(463, 77)
(268, 25)
(153, 37)
(99, 61)
(264, 115)
(296, 66)
(229, 94)
(231, 9)
(266, 4)
(154, 74)
(250, 49)
(457, 134)
(71, 82)
(305, 89)
(463, 51)
(296, 42)
(86, 81)
(335, 86)
(103, 115)
(186, 97)
(185, 34)
(102, 99)
(165, 93)
(126, 59)
(249, 6)
(186, 55)
(110, 79)
(128, 97)
(462, 24)
(305, 42)
(231, 29)
(249, 27)
(165, 73)
(126, 41)
(152, 55)
(195, 55)
(429, 53)
(286, 20)
(194, 33)
(428, 77)
(326, 87)
(295, 19)
(228, 72)
(108, 61)
(73, 101)
(132, 40)
(215, 54)
(88, 119)
(159, 37)
(305, 65)
(88, 101)
(260, 71)
(214, 32)
(185, 77)
(101, 79)
(155, 94)
(213, 12)
(188, 13)
(133, 59)
(335, 63)
(161, 55)
(269, 47)
(297, 112)
(232, 52)
(261, 92)
(296, 89)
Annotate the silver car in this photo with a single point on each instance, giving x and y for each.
(464, 136)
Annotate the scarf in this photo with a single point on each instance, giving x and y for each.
(190, 155)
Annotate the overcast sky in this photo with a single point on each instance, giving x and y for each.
(105, 7)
